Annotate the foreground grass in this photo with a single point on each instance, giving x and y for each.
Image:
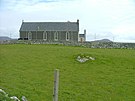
(29, 70)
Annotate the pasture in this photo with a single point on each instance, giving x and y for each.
(29, 70)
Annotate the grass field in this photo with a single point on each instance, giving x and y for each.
(29, 70)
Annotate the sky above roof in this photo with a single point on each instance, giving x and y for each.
(112, 19)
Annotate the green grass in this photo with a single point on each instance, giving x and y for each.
(29, 70)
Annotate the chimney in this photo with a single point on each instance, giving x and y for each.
(85, 34)
(77, 21)
(22, 21)
(78, 25)
(85, 31)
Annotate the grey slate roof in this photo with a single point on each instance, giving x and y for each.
(49, 26)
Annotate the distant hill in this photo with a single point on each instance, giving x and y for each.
(2, 38)
(102, 40)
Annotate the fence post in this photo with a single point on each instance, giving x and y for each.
(56, 85)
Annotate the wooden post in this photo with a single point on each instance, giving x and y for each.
(56, 85)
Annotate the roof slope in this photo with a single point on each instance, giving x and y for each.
(81, 35)
(49, 26)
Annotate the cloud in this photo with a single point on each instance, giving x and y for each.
(124, 30)
(14, 4)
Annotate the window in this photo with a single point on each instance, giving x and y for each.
(30, 36)
(67, 36)
(44, 35)
(56, 36)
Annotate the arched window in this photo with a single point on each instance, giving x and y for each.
(30, 36)
(44, 35)
(67, 36)
(56, 36)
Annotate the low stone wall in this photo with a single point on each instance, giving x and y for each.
(84, 44)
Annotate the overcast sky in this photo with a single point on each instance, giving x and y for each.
(112, 19)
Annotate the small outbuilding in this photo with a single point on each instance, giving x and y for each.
(82, 37)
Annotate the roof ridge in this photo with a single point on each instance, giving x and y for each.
(49, 22)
